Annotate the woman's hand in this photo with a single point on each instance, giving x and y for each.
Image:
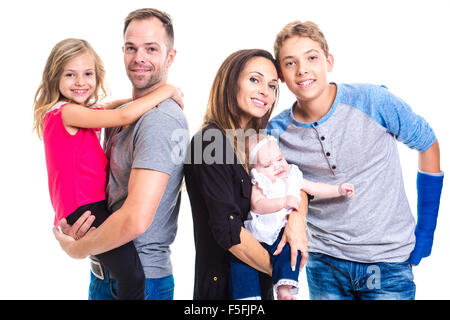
(295, 234)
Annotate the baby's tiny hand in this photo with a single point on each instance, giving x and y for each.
(291, 202)
(347, 189)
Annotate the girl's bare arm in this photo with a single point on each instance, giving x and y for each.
(78, 116)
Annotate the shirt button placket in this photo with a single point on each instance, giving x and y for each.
(323, 141)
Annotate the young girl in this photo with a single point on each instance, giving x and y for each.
(64, 116)
(275, 192)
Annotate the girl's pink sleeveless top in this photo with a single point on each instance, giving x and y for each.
(76, 165)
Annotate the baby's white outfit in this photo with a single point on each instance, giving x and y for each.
(266, 227)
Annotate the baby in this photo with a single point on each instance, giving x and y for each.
(275, 192)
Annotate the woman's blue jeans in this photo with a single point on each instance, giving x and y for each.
(335, 279)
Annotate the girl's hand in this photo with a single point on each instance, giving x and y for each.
(347, 189)
(178, 97)
(113, 104)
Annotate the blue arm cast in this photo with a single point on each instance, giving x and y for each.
(429, 187)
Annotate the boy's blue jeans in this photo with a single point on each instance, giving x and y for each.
(335, 279)
(155, 289)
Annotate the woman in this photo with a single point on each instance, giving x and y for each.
(242, 98)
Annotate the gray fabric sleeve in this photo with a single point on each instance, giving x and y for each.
(154, 142)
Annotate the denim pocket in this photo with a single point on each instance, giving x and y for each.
(159, 288)
(398, 269)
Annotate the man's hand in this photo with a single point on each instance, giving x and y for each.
(80, 227)
(67, 243)
(70, 233)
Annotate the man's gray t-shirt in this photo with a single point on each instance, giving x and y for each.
(157, 141)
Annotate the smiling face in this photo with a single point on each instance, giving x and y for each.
(146, 55)
(258, 85)
(78, 79)
(304, 67)
(271, 162)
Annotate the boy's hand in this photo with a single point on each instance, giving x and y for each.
(346, 189)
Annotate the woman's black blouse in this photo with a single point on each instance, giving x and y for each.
(219, 192)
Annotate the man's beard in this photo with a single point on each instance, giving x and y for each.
(156, 77)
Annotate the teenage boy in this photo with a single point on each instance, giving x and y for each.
(360, 248)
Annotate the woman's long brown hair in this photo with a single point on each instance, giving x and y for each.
(223, 109)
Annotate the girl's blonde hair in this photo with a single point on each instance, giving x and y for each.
(48, 93)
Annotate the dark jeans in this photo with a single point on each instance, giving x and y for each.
(244, 280)
(123, 262)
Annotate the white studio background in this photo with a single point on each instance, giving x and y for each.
(401, 44)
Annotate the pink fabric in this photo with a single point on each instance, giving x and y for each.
(76, 165)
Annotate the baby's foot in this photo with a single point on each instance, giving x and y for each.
(284, 293)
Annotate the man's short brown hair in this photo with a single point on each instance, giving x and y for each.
(148, 13)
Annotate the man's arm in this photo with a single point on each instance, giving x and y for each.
(145, 190)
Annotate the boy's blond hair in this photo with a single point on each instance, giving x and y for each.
(302, 29)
